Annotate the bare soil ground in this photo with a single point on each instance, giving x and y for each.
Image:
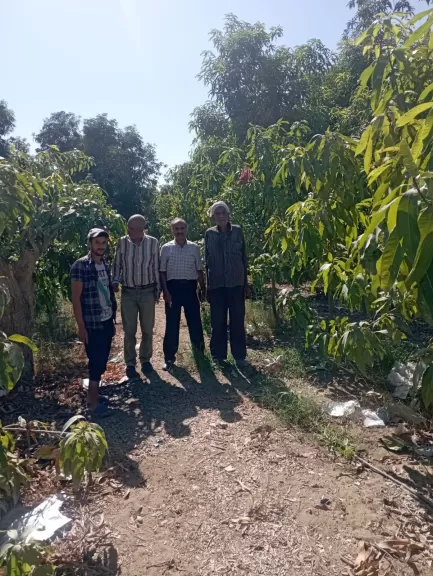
(204, 481)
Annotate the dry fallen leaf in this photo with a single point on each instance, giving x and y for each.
(374, 559)
(243, 520)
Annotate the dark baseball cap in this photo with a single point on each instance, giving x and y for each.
(96, 233)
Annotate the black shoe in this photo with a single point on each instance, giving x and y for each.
(168, 365)
(131, 373)
(147, 368)
(219, 361)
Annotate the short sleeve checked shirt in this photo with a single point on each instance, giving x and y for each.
(84, 270)
(180, 262)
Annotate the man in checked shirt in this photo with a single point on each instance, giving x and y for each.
(181, 268)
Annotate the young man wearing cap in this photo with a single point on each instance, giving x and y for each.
(227, 286)
(181, 268)
(94, 307)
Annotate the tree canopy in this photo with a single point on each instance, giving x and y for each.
(124, 165)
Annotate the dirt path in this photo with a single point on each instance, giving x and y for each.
(213, 484)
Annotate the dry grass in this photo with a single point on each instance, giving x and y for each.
(259, 320)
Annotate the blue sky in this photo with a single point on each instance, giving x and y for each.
(137, 60)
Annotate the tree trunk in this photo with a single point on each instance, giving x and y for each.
(274, 300)
(19, 312)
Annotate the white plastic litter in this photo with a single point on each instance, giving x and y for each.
(372, 420)
(345, 409)
(352, 409)
(42, 523)
(401, 379)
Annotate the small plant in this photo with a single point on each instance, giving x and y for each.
(338, 441)
(11, 354)
(12, 475)
(205, 318)
(21, 558)
(259, 320)
(82, 450)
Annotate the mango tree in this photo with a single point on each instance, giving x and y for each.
(367, 224)
(39, 204)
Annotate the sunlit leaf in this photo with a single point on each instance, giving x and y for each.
(413, 113)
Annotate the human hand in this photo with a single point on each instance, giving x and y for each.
(82, 334)
(202, 294)
(115, 287)
(167, 298)
(247, 292)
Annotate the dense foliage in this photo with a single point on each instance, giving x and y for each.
(124, 166)
(44, 213)
(340, 191)
(324, 158)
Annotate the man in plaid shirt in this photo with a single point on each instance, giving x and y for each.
(94, 307)
(180, 270)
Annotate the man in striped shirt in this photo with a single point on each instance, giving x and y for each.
(136, 269)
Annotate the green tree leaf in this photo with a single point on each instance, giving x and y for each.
(425, 296)
(419, 33)
(408, 160)
(427, 387)
(413, 113)
(23, 340)
(391, 254)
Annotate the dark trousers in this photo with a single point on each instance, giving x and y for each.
(231, 300)
(98, 349)
(183, 293)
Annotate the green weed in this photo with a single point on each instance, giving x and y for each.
(205, 318)
(306, 414)
(337, 440)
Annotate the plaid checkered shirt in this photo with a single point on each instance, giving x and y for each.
(84, 270)
(180, 262)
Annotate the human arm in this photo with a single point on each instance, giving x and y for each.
(117, 268)
(200, 274)
(77, 289)
(163, 274)
(77, 282)
(206, 257)
(165, 292)
(245, 264)
(156, 268)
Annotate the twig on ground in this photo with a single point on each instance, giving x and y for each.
(414, 493)
(32, 430)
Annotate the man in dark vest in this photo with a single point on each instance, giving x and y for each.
(227, 284)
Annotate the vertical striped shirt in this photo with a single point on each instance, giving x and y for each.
(137, 264)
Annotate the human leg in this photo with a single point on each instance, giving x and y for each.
(218, 318)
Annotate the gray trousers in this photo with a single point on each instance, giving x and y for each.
(138, 303)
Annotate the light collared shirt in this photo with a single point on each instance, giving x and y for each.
(180, 261)
(137, 264)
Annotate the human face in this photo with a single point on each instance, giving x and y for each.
(136, 230)
(98, 246)
(179, 232)
(221, 217)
